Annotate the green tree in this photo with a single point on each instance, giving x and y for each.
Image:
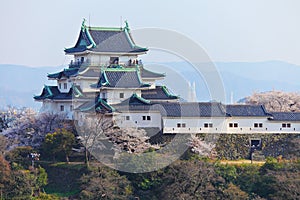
(3, 144)
(19, 157)
(20, 187)
(39, 179)
(5, 174)
(233, 192)
(105, 183)
(59, 144)
(228, 172)
(193, 179)
(247, 177)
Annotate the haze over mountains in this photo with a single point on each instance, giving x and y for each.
(18, 84)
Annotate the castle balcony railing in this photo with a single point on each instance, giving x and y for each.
(85, 63)
(78, 64)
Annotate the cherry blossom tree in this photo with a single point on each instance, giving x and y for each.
(276, 101)
(98, 133)
(25, 127)
(201, 146)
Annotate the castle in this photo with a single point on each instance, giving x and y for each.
(108, 77)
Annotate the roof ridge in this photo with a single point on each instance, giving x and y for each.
(122, 69)
(134, 95)
(102, 28)
(167, 92)
(105, 104)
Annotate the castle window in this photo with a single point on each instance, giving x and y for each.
(59, 85)
(233, 125)
(121, 95)
(127, 117)
(114, 60)
(148, 118)
(65, 86)
(286, 125)
(62, 108)
(183, 125)
(103, 94)
(208, 125)
(258, 125)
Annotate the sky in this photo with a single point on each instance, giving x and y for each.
(35, 32)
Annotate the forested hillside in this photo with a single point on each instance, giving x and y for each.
(42, 157)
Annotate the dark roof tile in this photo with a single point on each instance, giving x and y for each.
(96, 105)
(246, 110)
(176, 109)
(149, 74)
(64, 73)
(285, 116)
(199, 109)
(158, 93)
(52, 92)
(120, 78)
(105, 40)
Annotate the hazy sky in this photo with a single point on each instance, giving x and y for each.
(35, 32)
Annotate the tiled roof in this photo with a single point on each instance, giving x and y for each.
(89, 72)
(120, 78)
(246, 110)
(285, 116)
(65, 73)
(176, 109)
(97, 105)
(159, 93)
(199, 109)
(93, 72)
(52, 92)
(136, 100)
(149, 74)
(133, 103)
(105, 40)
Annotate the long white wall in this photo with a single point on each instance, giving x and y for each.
(193, 125)
(242, 125)
(139, 120)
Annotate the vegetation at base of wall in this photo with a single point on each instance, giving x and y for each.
(64, 179)
(191, 177)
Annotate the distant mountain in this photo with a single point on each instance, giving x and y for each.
(240, 79)
(18, 84)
